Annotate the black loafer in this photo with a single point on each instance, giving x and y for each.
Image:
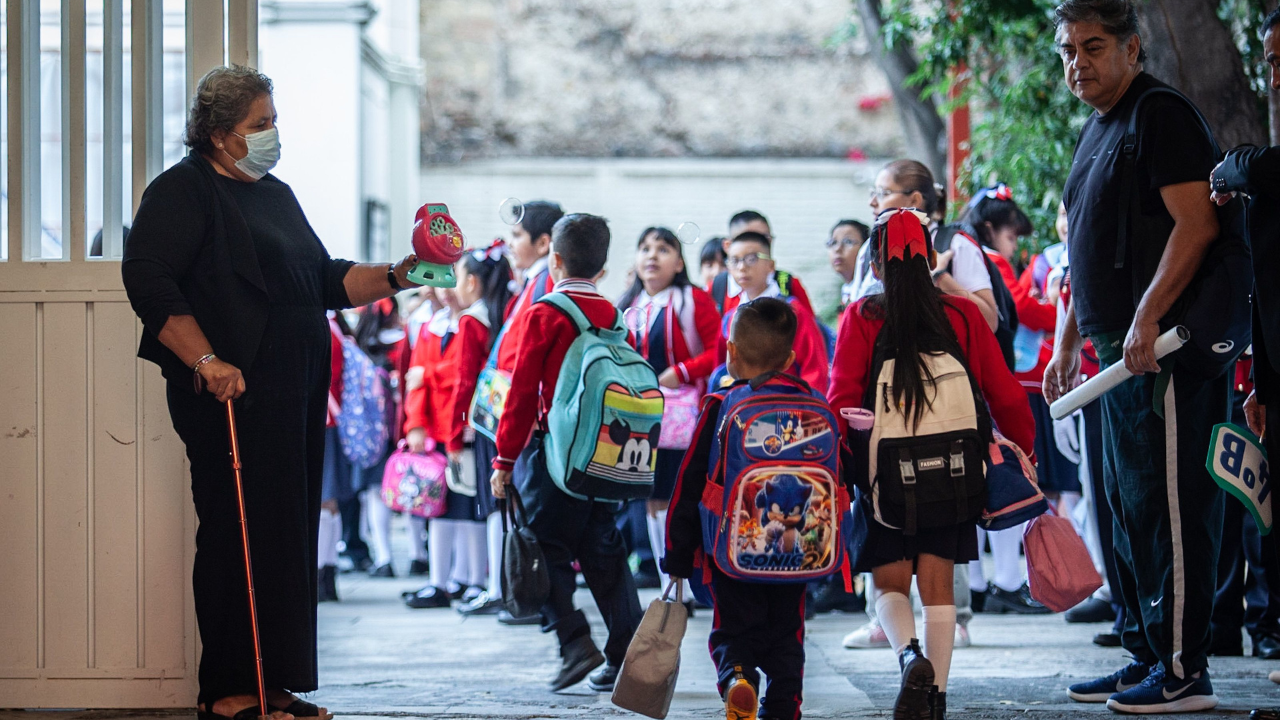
(1265, 714)
(581, 656)
(506, 618)
(1106, 640)
(431, 597)
(602, 680)
(1090, 611)
(1266, 646)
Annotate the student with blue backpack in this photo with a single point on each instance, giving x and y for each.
(758, 510)
(580, 426)
(927, 367)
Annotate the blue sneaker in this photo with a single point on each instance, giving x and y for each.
(1163, 693)
(1096, 691)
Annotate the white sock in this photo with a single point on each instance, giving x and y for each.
(1010, 567)
(894, 612)
(477, 547)
(330, 534)
(658, 541)
(418, 537)
(940, 640)
(869, 591)
(379, 526)
(461, 559)
(444, 534)
(978, 578)
(494, 527)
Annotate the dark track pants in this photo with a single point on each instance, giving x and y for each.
(1167, 514)
(757, 628)
(569, 529)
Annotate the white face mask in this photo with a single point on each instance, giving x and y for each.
(264, 153)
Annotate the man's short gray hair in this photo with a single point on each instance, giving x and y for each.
(1117, 17)
(222, 100)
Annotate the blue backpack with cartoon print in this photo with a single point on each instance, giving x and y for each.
(774, 506)
(606, 416)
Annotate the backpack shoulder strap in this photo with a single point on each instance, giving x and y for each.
(720, 290)
(1129, 201)
(565, 304)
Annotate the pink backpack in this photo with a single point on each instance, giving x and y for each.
(1059, 569)
(415, 483)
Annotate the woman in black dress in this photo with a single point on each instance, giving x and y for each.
(231, 285)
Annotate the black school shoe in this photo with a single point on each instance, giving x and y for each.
(581, 656)
(1265, 714)
(1106, 639)
(1266, 646)
(483, 604)
(428, 597)
(382, 571)
(328, 584)
(915, 695)
(1019, 602)
(506, 618)
(939, 705)
(1090, 611)
(418, 568)
(602, 680)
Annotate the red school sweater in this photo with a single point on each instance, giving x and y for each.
(545, 336)
(810, 347)
(537, 284)
(439, 404)
(1010, 410)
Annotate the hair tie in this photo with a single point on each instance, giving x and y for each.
(903, 233)
(495, 252)
(999, 191)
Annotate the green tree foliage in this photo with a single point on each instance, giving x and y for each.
(1024, 120)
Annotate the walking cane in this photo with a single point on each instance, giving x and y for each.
(248, 564)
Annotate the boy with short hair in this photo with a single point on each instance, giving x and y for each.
(724, 287)
(567, 528)
(757, 627)
(753, 271)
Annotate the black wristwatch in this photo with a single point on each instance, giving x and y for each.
(391, 279)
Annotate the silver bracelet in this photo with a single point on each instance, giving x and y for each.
(204, 360)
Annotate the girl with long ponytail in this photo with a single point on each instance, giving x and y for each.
(910, 320)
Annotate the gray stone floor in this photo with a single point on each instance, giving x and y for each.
(382, 660)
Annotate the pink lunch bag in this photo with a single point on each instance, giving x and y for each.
(679, 416)
(415, 483)
(1059, 569)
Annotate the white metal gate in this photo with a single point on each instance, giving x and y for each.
(96, 519)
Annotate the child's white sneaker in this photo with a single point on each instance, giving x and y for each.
(868, 636)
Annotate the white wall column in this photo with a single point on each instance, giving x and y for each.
(311, 51)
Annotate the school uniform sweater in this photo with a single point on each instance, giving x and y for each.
(1010, 411)
(666, 316)
(810, 346)
(537, 283)
(451, 353)
(545, 336)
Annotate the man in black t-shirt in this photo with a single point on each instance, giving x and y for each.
(1156, 425)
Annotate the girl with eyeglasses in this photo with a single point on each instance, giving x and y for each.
(847, 237)
(676, 327)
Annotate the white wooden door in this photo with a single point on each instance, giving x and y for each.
(96, 519)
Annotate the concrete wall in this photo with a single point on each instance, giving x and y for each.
(649, 78)
(801, 198)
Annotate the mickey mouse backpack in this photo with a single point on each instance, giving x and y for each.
(606, 416)
(774, 506)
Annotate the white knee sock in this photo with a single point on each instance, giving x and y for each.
(379, 526)
(461, 559)
(444, 535)
(477, 553)
(1010, 567)
(939, 640)
(658, 541)
(978, 578)
(330, 534)
(894, 612)
(494, 527)
(418, 537)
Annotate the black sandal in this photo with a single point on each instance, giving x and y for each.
(249, 713)
(298, 709)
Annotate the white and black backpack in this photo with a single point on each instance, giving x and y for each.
(932, 475)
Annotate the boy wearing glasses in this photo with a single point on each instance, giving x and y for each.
(847, 237)
(752, 269)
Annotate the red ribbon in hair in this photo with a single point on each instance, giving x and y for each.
(904, 234)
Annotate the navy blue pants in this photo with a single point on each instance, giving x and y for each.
(760, 627)
(1167, 514)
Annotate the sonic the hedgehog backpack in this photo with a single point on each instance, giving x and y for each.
(774, 505)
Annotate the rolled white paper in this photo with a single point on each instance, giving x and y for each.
(1093, 389)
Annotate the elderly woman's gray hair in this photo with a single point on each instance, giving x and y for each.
(221, 101)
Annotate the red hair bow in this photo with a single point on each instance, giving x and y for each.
(904, 234)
